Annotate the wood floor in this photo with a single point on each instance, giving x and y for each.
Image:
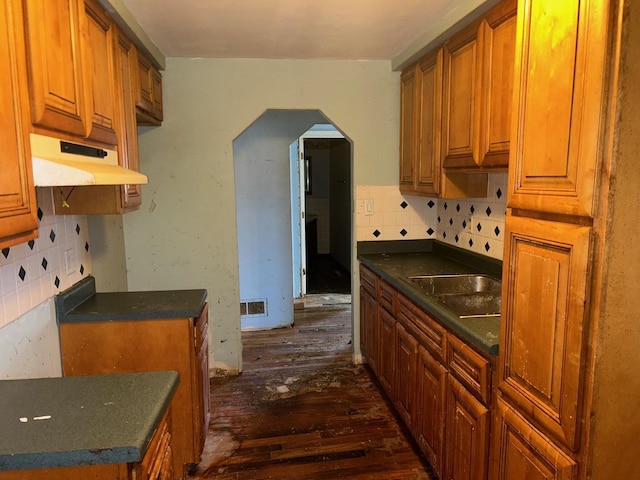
(301, 410)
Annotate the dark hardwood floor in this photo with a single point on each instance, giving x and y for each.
(301, 410)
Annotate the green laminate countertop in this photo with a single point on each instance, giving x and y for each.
(86, 420)
(81, 303)
(437, 259)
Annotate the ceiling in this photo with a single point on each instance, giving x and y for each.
(295, 29)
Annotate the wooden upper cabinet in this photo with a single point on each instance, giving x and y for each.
(407, 129)
(55, 65)
(478, 78)
(149, 92)
(98, 72)
(18, 221)
(543, 323)
(557, 122)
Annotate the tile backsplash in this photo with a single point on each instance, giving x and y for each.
(32, 272)
(475, 224)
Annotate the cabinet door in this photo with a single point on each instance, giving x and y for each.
(407, 128)
(125, 65)
(202, 390)
(385, 345)
(431, 383)
(429, 124)
(406, 353)
(462, 94)
(467, 435)
(97, 68)
(368, 323)
(497, 40)
(543, 322)
(523, 453)
(557, 124)
(18, 221)
(149, 89)
(55, 65)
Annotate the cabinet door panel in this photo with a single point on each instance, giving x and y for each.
(431, 383)
(406, 352)
(385, 345)
(524, 453)
(368, 328)
(18, 222)
(55, 65)
(558, 105)
(407, 128)
(544, 295)
(467, 435)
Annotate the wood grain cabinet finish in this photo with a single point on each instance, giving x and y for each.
(94, 348)
(467, 435)
(368, 327)
(543, 323)
(55, 65)
(526, 454)
(386, 348)
(478, 79)
(406, 361)
(557, 125)
(149, 107)
(18, 218)
(407, 129)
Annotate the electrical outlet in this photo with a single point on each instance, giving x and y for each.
(70, 261)
(368, 207)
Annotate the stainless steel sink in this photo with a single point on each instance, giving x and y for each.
(467, 295)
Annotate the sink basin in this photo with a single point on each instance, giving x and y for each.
(466, 295)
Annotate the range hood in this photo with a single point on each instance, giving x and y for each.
(60, 163)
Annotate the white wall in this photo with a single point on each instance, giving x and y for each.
(262, 169)
(185, 234)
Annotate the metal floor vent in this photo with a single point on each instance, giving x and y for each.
(253, 307)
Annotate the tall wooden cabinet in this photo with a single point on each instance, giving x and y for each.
(18, 220)
(567, 369)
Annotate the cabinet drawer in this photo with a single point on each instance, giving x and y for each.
(431, 334)
(469, 367)
(154, 462)
(368, 280)
(387, 296)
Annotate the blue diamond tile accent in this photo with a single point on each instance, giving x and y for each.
(457, 207)
(5, 252)
(451, 222)
(77, 229)
(40, 214)
(456, 238)
(488, 210)
(52, 236)
(22, 273)
(404, 205)
(479, 227)
(471, 242)
(487, 247)
(31, 244)
(86, 246)
(472, 209)
(403, 232)
(445, 205)
(464, 224)
(81, 269)
(56, 282)
(444, 234)
(496, 231)
(498, 193)
(431, 204)
(44, 264)
(376, 233)
(439, 219)
(430, 231)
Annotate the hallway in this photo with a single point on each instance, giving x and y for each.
(301, 410)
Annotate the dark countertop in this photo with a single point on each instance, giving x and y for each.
(81, 303)
(86, 420)
(435, 259)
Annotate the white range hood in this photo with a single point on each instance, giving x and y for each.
(60, 163)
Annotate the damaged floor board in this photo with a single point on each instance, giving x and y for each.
(301, 410)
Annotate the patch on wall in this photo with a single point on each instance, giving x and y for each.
(253, 308)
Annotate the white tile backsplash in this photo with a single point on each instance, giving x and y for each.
(33, 272)
(473, 224)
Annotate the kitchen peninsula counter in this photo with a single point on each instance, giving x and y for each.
(395, 261)
(81, 303)
(87, 420)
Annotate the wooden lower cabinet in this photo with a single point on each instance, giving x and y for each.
(438, 384)
(157, 464)
(522, 452)
(431, 386)
(92, 348)
(467, 435)
(368, 327)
